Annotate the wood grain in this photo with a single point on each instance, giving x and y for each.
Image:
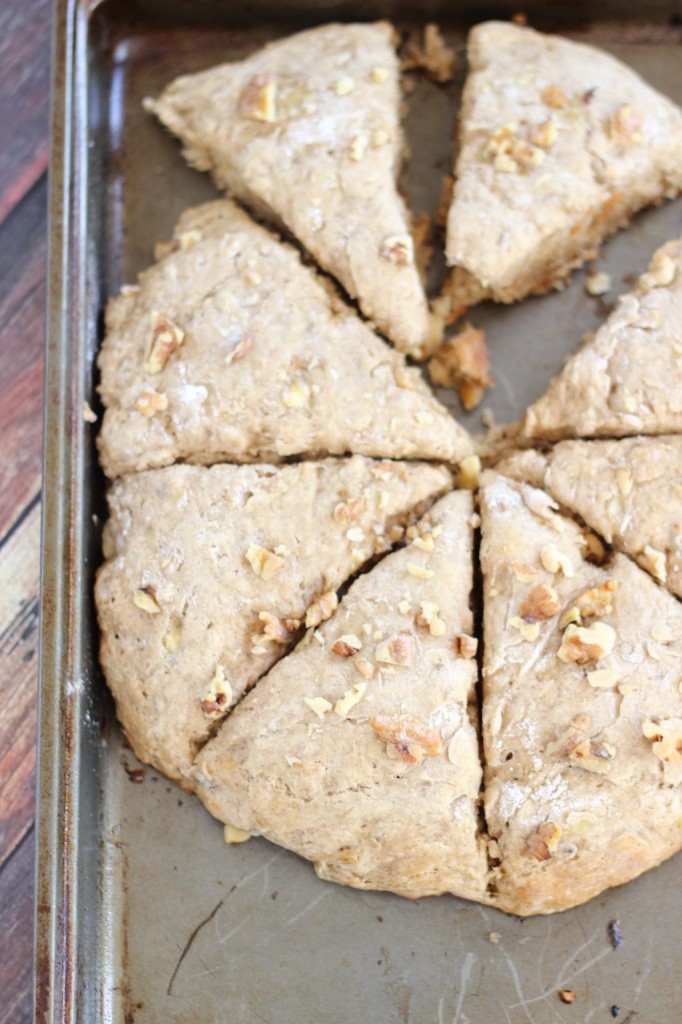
(16, 935)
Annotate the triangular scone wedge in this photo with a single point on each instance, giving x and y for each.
(627, 378)
(582, 710)
(628, 491)
(559, 145)
(269, 362)
(358, 750)
(210, 573)
(307, 132)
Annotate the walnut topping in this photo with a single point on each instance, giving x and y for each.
(509, 152)
(350, 699)
(322, 608)
(396, 650)
(524, 573)
(218, 695)
(88, 415)
(530, 631)
(468, 473)
(347, 645)
(571, 614)
(364, 667)
(240, 350)
(593, 757)
(542, 602)
(411, 738)
(419, 571)
(582, 644)
(258, 99)
(264, 563)
(318, 705)
(625, 125)
(544, 135)
(150, 402)
(166, 338)
(466, 646)
(349, 511)
(380, 137)
(556, 561)
(555, 97)
(597, 601)
(542, 843)
(574, 736)
(655, 561)
(662, 271)
(171, 641)
(428, 618)
(603, 678)
(598, 283)
(358, 147)
(344, 86)
(624, 481)
(234, 835)
(667, 738)
(379, 75)
(145, 600)
(463, 362)
(279, 631)
(296, 396)
(397, 249)
(424, 542)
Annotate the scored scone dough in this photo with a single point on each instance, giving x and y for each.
(206, 568)
(365, 760)
(559, 144)
(307, 133)
(627, 378)
(629, 491)
(583, 758)
(271, 362)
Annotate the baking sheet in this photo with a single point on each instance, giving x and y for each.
(144, 914)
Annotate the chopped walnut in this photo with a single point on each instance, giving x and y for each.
(397, 249)
(524, 573)
(364, 667)
(344, 86)
(171, 641)
(258, 99)
(593, 757)
(318, 705)
(145, 600)
(571, 614)
(396, 650)
(597, 601)
(297, 395)
(542, 843)
(468, 473)
(279, 631)
(598, 283)
(242, 347)
(603, 678)
(264, 563)
(350, 699)
(150, 402)
(429, 619)
(530, 631)
(661, 272)
(379, 75)
(466, 646)
(667, 738)
(358, 147)
(625, 125)
(581, 644)
(655, 561)
(511, 153)
(434, 57)
(463, 362)
(544, 135)
(349, 511)
(554, 560)
(234, 835)
(347, 645)
(574, 736)
(218, 695)
(624, 481)
(555, 97)
(322, 608)
(542, 602)
(595, 550)
(411, 738)
(166, 338)
(424, 542)
(419, 572)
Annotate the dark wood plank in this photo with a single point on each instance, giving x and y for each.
(18, 680)
(22, 304)
(16, 935)
(24, 91)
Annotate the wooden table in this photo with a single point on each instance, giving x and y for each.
(24, 96)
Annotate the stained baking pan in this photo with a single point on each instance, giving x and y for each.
(144, 916)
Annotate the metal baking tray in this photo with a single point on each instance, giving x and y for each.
(144, 915)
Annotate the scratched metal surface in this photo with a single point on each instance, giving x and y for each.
(184, 929)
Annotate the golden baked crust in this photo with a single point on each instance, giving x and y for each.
(210, 572)
(307, 133)
(559, 144)
(582, 711)
(358, 750)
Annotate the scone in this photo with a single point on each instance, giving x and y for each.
(559, 144)
(582, 710)
(358, 750)
(212, 573)
(627, 379)
(629, 491)
(230, 349)
(307, 133)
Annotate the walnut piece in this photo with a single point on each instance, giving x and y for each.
(530, 631)
(597, 601)
(397, 249)
(264, 563)
(166, 338)
(150, 402)
(554, 560)
(593, 757)
(661, 272)
(318, 705)
(429, 619)
(145, 600)
(555, 97)
(463, 362)
(598, 283)
(280, 631)
(258, 99)
(542, 602)
(218, 695)
(544, 135)
(625, 125)
(468, 473)
(581, 644)
(349, 511)
(667, 738)
(466, 646)
(364, 667)
(322, 608)
(419, 572)
(542, 843)
(234, 835)
(655, 561)
(524, 573)
(411, 738)
(396, 650)
(347, 645)
(242, 347)
(350, 699)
